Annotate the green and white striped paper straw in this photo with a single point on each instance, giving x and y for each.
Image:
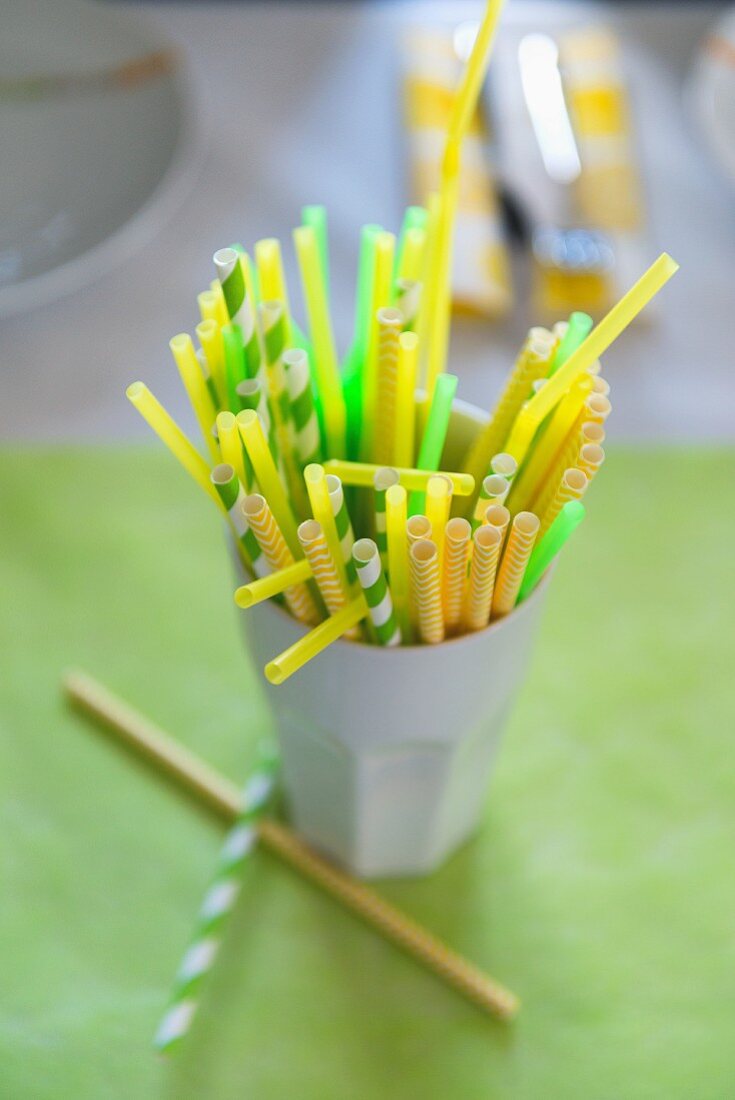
(303, 412)
(232, 495)
(345, 534)
(493, 490)
(228, 265)
(384, 478)
(377, 594)
(218, 903)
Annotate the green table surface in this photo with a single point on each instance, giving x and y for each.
(601, 887)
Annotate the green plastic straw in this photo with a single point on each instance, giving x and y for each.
(580, 326)
(544, 553)
(354, 361)
(316, 217)
(235, 371)
(415, 217)
(435, 434)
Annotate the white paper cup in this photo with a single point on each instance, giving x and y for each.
(387, 753)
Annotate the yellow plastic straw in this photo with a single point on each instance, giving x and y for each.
(405, 419)
(426, 591)
(438, 503)
(190, 370)
(248, 595)
(169, 432)
(316, 486)
(390, 321)
(231, 446)
(209, 307)
(598, 341)
(463, 108)
(266, 475)
(412, 257)
(523, 532)
(380, 297)
(395, 515)
(326, 370)
(272, 281)
(296, 656)
(488, 541)
(221, 315)
(209, 336)
(530, 481)
(456, 545)
(271, 541)
(423, 320)
(363, 473)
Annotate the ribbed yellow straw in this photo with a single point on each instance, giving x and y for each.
(487, 543)
(457, 535)
(426, 591)
(323, 569)
(417, 527)
(277, 554)
(595, 410)
(533, 362)
(591, 457)
(601, 386)
(390, 323)
(572, 486)
(209, 335)
(523, 532)
(497, 515)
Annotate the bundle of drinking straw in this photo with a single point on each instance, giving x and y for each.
(411, 553)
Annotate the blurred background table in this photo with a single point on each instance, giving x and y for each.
(301, 103)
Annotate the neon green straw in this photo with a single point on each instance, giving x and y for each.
(544, 553)
(316, 217)
(415, 217)
(354, 361)
(580, 326)
(435, 434)
(235, 371)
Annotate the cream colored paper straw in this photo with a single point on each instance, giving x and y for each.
(271, 541)
(522, 536)
(426, 591)
(457, 534)
(487, 543)
(390, 323)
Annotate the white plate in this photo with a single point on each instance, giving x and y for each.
(712, 91)
(91, 165)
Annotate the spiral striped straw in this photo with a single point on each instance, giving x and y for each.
(523, 532)
(494, 490)
(303, 413)
(377, 594)
(384, 478)
(323, 569)
(573, 486)
(218, 903)
(600, 386)
(497, 515)
(229, 266)
(417, 527)
(273, 327)
(487, 543)
(408, 301)
(345, 534)
(591, 457)
(277, 554)
(426, 591)
(457, 534)
(232, 495)
(390, 323)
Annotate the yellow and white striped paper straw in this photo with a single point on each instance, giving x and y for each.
(426, 591)
(523, 532)
(457, 534)
(487, 543)
(573, 486)
(323, 569)
(276, 552)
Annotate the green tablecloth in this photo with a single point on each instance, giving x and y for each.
(601, 888)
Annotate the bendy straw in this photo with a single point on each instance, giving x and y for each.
(272, 584)
(405, 418)
(277, 554)
(266, 474)
(240, 308)
(457, 535)
(494, 490)
(169, 432)
(396, 514)
(363, 474)
(390, 322)
(199, 396)
(232, 495)
(311, 645)
(320, 326)
(523, 532)
(598, 341)
(218, 903)
(435, 432)
(438, 503)
(385, 476)
(547, 548)
(343, 526)
(377, 594)
(426, 591)
(223, 798)
(487, 544)
(303, 413)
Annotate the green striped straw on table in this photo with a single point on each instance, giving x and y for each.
(218, 903)
(232, 495)
(303, 412)
(377, 594)
(384, 478)
(343, 523)
(228, 264)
